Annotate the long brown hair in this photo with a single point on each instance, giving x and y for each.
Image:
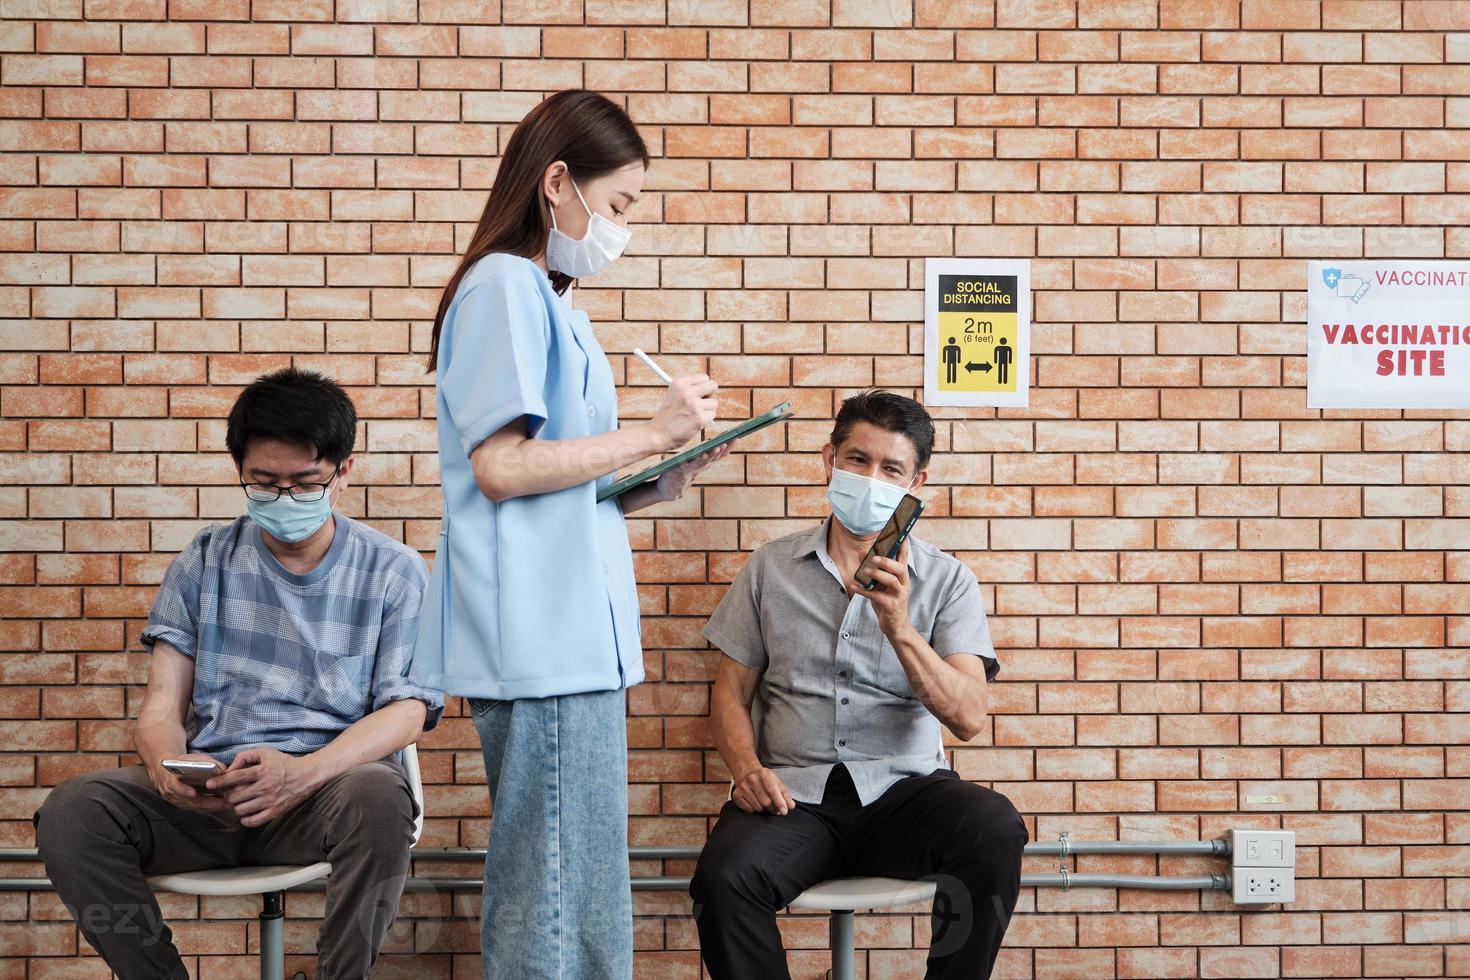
(587, 131)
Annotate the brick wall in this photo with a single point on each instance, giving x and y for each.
(1201, 589)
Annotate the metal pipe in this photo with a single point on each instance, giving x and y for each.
(1213, 882)
(1069, 880)
(478, 853)
(273, 937)
(1210, 848)
(1064, 878)
(843, 945)
(1220, 846)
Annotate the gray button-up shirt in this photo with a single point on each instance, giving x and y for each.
(832, 686)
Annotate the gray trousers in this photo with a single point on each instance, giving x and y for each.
(100, 834)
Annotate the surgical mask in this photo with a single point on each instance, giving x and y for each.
(289, 519)
(603, 243)
(861, 503)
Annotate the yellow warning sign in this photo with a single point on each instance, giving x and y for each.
(977, 319)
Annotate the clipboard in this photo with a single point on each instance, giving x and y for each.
(777, 414)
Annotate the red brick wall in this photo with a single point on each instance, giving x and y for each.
(1201, 590)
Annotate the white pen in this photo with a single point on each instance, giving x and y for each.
(655, 368)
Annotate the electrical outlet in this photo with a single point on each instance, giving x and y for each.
(1263, 848)
(1254, 886)
(1262, 866)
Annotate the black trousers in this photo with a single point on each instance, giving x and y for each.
(964, 837)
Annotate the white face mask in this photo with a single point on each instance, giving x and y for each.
(861, 503)
(603, 243)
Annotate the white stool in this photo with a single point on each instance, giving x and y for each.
(844, 896)
(272, 881)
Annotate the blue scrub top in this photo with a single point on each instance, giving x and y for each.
(534, 596)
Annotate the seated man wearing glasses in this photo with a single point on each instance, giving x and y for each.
(281, 644)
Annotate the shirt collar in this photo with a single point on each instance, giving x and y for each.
(815, 543)
(340, 534)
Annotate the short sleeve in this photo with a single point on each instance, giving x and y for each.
(498, 349)
(735, 626)
(396, 636)
(174, 617)
(960, 626)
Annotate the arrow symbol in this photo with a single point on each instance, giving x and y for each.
(972, 366)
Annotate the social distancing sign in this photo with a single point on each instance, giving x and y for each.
(977, 315)
(1388, 334)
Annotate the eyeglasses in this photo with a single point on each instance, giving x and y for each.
(303, 492)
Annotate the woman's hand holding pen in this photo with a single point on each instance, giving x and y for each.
(689, 406)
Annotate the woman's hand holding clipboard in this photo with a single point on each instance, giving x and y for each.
(678, 408)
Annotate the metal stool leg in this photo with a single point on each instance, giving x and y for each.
(273, 936)
(844, 951)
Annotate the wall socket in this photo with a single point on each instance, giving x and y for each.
(1262, 866)
(1251, 886)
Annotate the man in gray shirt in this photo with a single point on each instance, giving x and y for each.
(847, 774)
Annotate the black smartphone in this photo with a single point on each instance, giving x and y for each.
(891, 538)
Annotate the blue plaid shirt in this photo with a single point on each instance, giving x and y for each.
(285, 660)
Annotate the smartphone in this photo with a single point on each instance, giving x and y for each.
(192, 772)
(892, 537)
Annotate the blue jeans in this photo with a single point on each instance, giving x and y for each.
(558, 903)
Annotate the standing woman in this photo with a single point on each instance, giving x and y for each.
(532, 611)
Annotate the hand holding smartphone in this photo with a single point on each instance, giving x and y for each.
(193, 772)
(890, 540)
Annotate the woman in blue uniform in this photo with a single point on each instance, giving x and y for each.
(532, 611)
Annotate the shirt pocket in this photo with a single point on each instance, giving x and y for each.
(891, 676)
(342, 683)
